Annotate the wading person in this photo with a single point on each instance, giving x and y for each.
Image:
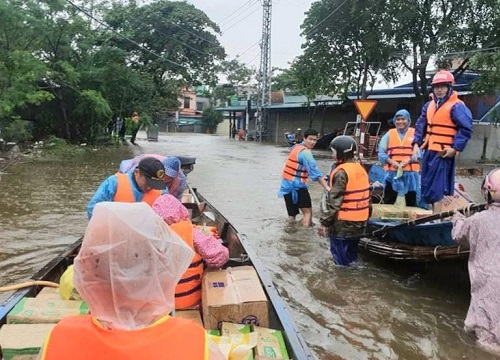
(298, 168)
(126, 271)
(348, 202)
(442, 130)
(135, 126)
(395, 151)
(144, 183)
(480, 232)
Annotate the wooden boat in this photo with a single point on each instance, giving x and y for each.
(240, 254)
(420, 240)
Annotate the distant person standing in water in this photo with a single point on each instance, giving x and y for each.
(136, 126)
(442, 130)
(299, 167)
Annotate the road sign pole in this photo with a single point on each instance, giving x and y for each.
(365, 108)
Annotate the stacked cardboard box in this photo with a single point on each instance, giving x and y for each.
(233, 295)
(43, 310)
(23, 341)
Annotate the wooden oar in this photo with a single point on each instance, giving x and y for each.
(27, 284)
(201, 207)
(385, 229)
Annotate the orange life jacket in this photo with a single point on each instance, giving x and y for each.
(291, 169)
(400, 150)
(356, 202)
(79, 338)
(124, 191)
(188, 290)
(440, 127)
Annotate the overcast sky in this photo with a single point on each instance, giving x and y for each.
(241, 25)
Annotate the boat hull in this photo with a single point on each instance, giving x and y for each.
(240, 253)
(429, 234)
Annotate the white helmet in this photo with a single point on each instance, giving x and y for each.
(491, 186)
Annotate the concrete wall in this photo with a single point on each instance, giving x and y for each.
(483, 134)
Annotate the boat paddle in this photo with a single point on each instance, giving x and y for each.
(201, 207)
(385, 229)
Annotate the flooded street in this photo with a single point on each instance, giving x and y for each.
(373, 310)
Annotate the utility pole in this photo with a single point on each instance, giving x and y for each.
(264, 96)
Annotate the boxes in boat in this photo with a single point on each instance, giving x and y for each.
(49, 293)
(233, 295)
(234, 329)
(34, 310)
(23, 341)
(190, 314)
(270, 344)
(385, 211)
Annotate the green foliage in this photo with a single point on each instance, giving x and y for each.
(68, 74)
(211, 119)
(17, 131)
(353, 43)
(60, 148)
(489, 67)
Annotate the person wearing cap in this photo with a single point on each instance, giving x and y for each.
(442, 130)
(175, 179)
(144, 183)
(127, 270)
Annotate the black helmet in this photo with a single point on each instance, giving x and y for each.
(345, 146)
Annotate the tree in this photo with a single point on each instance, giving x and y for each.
(443, 29)
(237, 74)
(352, 43)
(345, 43)
(211, 119)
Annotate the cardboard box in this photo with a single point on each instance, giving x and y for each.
(234, 329)
(190, 314)
(460, 199)
(49, 293)
(233, 295)
(23, 341)
(270, 344)
(36, 311)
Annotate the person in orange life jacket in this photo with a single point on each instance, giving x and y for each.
(298, 168)
(143, 184)
(174, 179)
(126, 271)
(443, 129)
(207, 249)
(348, 202)
(396, 152)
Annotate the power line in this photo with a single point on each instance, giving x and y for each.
(325, 18)
(123, 36)
(180, 27)
(225, 23)
(240, 20)
(241, 9)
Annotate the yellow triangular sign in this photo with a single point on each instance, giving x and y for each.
(365, 107)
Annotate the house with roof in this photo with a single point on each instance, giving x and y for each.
(192, 102)
(328, 114)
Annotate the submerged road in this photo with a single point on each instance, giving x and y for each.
(373, 310)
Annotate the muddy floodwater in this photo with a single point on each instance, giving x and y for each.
(373, 310)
